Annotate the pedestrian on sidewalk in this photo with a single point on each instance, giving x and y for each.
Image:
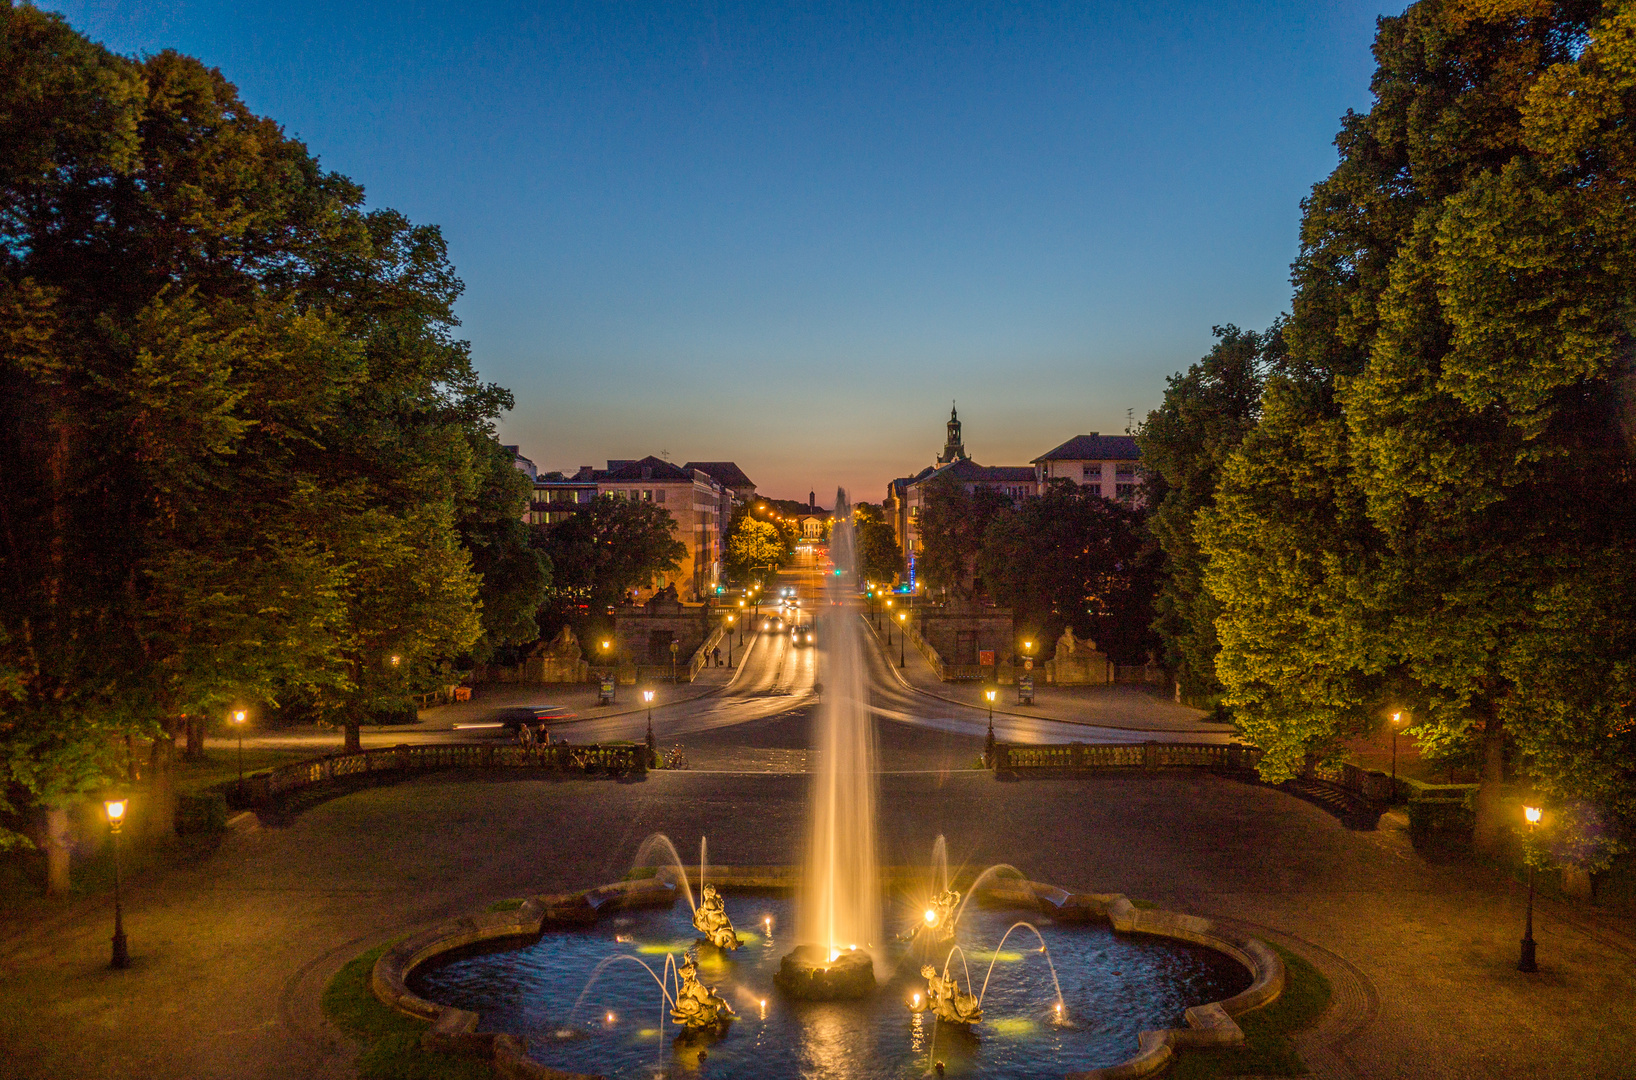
(716, 652)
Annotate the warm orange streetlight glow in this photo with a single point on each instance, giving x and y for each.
(238, 716)
(989, 694)
(931, 918)
(647, 695)
(395, 659)
(1532, 814)
(1397, 718)
(116, 811)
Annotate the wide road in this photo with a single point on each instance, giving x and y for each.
(774, 678)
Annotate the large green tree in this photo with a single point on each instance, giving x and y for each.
(953, 522)
(1069, 558)
(1437, 503)
(239, 439)
(1204, 417)
(602, 552)
(880, 557)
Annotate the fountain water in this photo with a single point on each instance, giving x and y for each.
(659, 844)
(839, 913)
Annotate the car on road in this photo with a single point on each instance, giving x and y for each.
(803, 635)
(513, 718)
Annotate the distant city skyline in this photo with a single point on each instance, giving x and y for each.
(788, 237)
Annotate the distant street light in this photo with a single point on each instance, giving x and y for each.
(674, 647)
(116, 818)
(647, 696)
(730, 619)
(1526, 961)
(903, 638)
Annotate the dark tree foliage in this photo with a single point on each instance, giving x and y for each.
(953, 523)
(239, 442)
(1185, 441)
(1068, 558)
(601, 553)
(880, 558)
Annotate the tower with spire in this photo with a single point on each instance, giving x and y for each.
(954, 449)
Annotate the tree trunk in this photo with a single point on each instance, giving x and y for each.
(195, 739)
(354, 744)
(56, 851)
(1489, 830)
(160, 817)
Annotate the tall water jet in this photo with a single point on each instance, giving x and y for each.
(839, 918)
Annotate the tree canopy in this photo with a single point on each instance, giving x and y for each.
(244, 454)
(1435, 510)
(605, 550)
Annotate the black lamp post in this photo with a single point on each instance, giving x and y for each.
(238, 723)
(116, 818)
(1526, 961)
(903, 638)
(1397, 718)
(730, 620)
(647, 696)
(674, 648)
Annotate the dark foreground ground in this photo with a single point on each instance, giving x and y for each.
(230, 954)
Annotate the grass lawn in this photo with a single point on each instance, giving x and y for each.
(391, 1040)
(222, 766)
(1270, 1051)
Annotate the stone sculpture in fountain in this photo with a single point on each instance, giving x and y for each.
(698, 1006)
(711, 920)
(945, 1000)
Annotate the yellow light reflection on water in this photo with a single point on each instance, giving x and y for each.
(677, 947)
(1015, 1025)
(1005, 957)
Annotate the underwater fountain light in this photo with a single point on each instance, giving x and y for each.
(931, 917)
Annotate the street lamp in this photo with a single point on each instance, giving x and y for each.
(674, 646)
(647, 696)
(238, 722)
(988, 743)
(903, 638)
(1397, 718)
(1526, 961)
(116, 818)
(730, 642)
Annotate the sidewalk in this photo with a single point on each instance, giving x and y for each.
(1125, 708)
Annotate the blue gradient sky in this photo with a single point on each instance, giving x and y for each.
(789, 235)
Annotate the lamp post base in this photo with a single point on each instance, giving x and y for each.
(1526, 961)
(122, 955)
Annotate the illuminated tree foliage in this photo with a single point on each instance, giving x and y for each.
(1185, 442)
(1436, 509)
(242, 457)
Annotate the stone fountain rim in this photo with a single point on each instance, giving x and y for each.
(454, 1030)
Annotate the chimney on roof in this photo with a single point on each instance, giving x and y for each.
(584, 473)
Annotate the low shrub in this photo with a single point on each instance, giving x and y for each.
(202, 813)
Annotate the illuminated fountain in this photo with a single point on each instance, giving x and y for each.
(853, 999)
(838, 920)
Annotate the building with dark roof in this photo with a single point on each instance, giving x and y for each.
(728, 475)
(906, 495)
(1106, 465)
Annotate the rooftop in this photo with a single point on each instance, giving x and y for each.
(726, 473)
(1095, 447)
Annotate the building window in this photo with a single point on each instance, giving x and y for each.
(659, 496)
(1124, 492)
(1092, 472)
(1125, 472)
(1094, 489)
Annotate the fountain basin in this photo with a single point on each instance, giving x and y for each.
(1110, 1007)
(810, 973)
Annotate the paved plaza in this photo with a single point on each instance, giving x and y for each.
(231, 954)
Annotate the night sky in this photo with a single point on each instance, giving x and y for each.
(789, 235)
